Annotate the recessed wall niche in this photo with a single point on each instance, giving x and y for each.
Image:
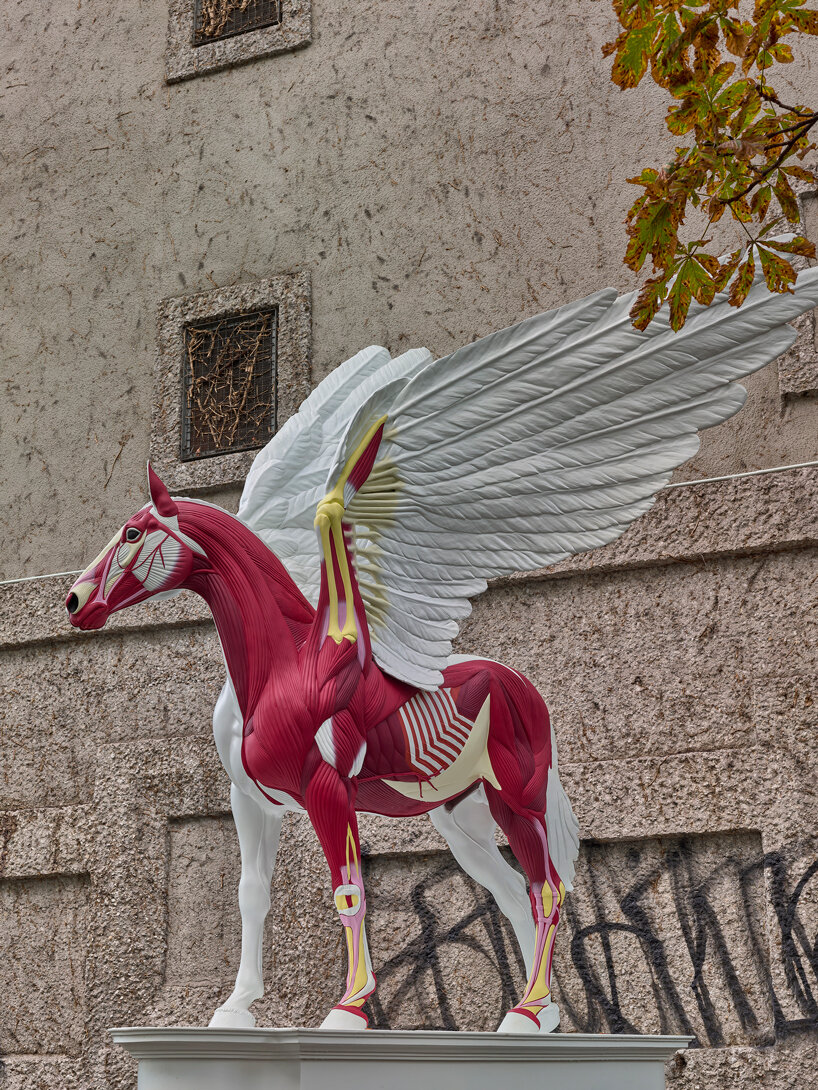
(232, 366)
(208, 35)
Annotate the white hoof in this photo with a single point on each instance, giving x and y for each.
(546, 1021)
(345, 1020)
(231, 1018)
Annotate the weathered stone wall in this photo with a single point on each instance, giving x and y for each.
(439, 171)
(680, 670)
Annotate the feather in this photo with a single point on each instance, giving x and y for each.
(538, 442)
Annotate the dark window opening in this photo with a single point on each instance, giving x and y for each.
(228, 384)
(217, 19)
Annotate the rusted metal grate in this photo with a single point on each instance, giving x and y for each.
(228, 384)
(217, 19)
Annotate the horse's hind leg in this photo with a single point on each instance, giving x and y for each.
(469, 831)
(535, 1013)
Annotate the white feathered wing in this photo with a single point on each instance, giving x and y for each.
(288, 477)
(545, 439)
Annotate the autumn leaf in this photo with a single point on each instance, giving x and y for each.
(786, 198)
(782, 53)
(778, 272)
(736, 36)
(710, 263)
(691, 282)
(798, 245)
(649, 300)
(806, 20)
(634, 13)
(800, 172)
(740, 145)
(761, 202)
(653, 232)
(743, 281)
(727, 267)
(631, 60)
(742, 149)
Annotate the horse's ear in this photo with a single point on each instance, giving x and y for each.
(160, 497)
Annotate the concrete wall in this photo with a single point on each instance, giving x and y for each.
(439, 171)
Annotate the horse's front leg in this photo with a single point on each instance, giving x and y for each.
(258, 834)
(330, 805)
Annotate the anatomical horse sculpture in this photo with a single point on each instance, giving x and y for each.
(421, 479)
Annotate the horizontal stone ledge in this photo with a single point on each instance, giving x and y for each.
(397, 1046)
(751, 515)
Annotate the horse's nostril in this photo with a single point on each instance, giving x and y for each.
(71, 603)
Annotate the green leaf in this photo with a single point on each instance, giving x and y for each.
(692, 282)
(743, 281)
(778, 272)
(720, 76)
(760, 202)
(679, 301)
(654, 232)
(631, 60)
(731, 96)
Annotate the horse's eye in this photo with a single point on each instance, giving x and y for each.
(133, 534)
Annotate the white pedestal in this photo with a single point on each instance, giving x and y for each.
(314, 1059)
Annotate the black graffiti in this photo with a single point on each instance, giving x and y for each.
(697, 920)
(419, 961)
(590, 986)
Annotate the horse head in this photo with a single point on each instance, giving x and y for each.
(149, 556)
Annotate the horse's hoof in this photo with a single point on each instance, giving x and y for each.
(231, 1018)
(345, 1018)
(519, 1020)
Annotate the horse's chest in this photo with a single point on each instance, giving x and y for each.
(277, 738)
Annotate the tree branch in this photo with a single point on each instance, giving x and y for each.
(767, 171)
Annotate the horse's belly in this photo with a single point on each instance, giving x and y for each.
(429, 751)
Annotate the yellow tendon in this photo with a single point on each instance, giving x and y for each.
(352, 853)
(538, 992)
(359, 981)
(329, 521)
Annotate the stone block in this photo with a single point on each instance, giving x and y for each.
(43, 949)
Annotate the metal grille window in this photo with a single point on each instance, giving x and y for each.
(228, 384)
(218, 19)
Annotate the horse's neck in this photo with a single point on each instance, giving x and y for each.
(261, 616)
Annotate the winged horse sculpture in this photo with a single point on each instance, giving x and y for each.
(422, 479)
